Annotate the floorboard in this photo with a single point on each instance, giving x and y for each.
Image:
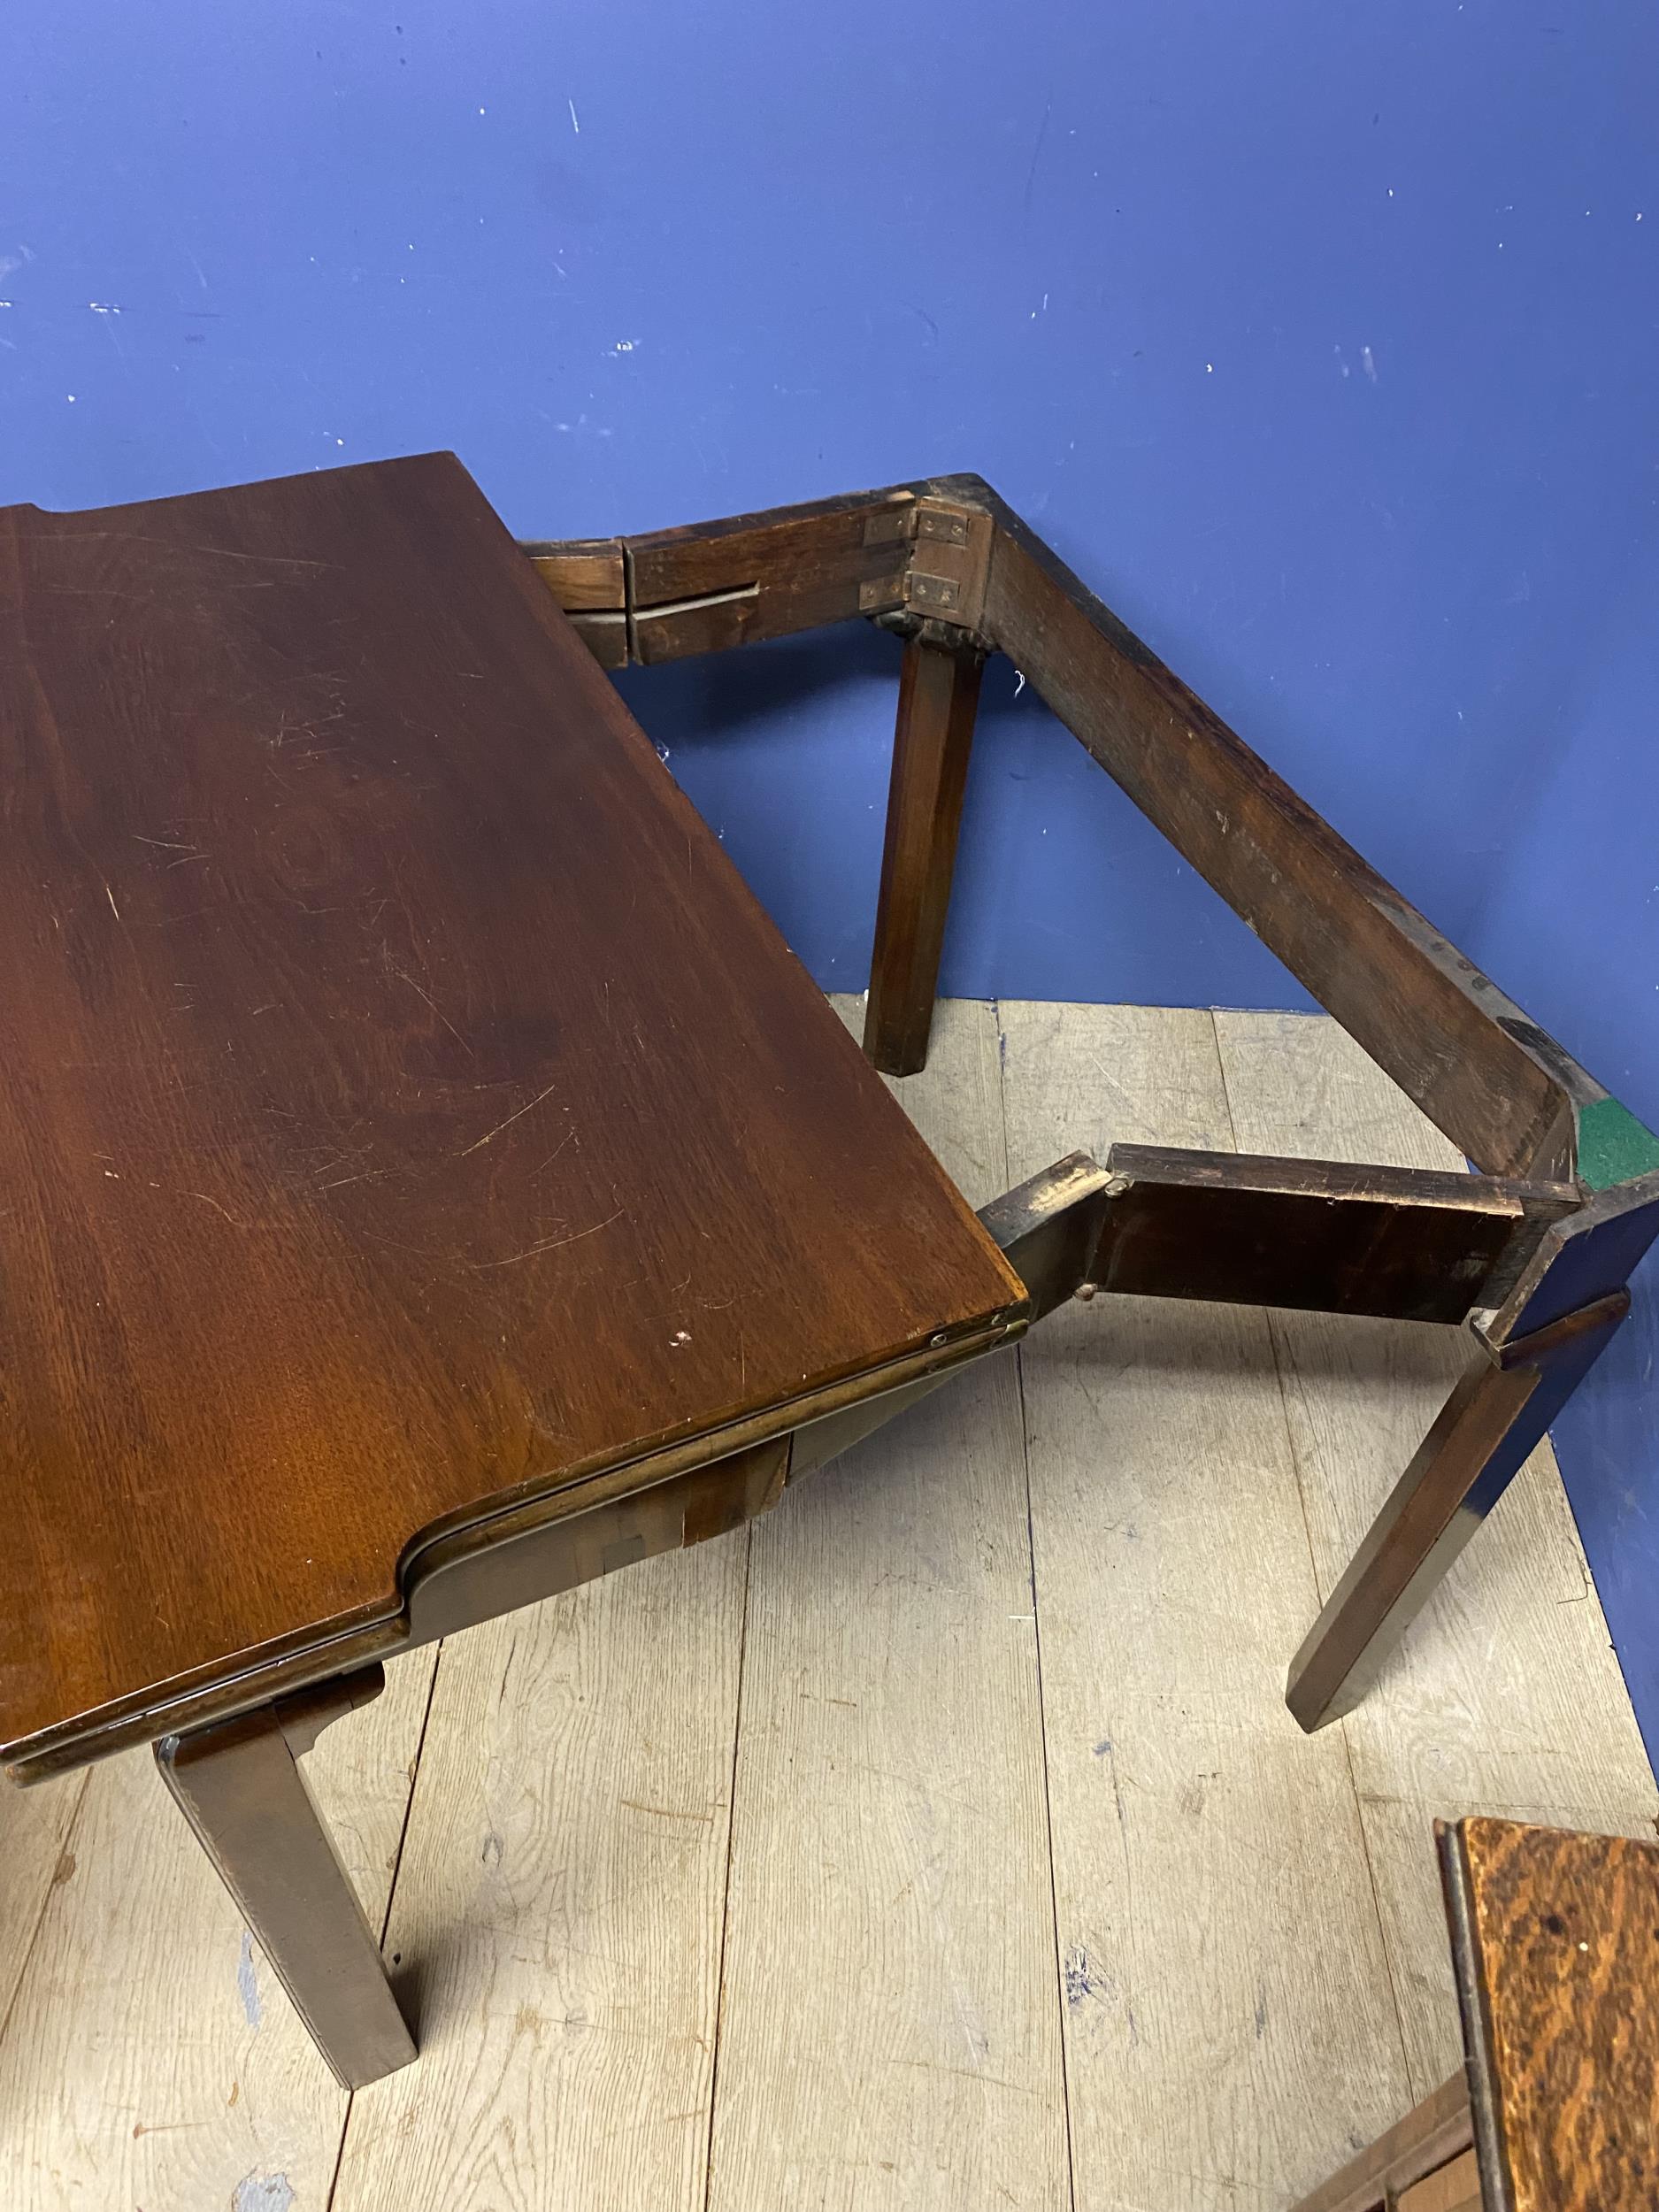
(890, 2034)
(1227, 2005)
(151, 2059)
(559, 1905)
(1505, 1696)
(944, 1840)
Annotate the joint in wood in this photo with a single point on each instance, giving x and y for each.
(950, 566)
(890, 525)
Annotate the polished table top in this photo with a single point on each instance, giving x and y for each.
(405, 1108)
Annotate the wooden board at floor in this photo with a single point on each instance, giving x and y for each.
(1227, 2006)
(559, 1905)
(1236, 2018)
(151, 2059)
(890, 2033)
(1506, 1696)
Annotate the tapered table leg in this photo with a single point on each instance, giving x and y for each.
(1534, 1352)
(939, 691)
(239, 1785)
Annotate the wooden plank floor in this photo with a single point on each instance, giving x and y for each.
(941, 1841)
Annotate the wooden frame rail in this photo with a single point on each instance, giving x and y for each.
(1530, 1256)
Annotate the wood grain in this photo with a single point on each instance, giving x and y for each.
(1235, 1864)
(404, 1107)
(711, 585)
(938, 693)
(890, 2030)
(1452, 2188)
(559, 1905)
(1505, 1696)
(1463, 1050)
(1245, 1230)
(1563, 1931)
(1228, 2019)
(152, 2058)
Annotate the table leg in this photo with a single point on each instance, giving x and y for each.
(239, 1785)
(939, 691)
(1536, 1348)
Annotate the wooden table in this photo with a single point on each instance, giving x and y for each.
(429, 1181)
(430, 1178)
(1556, 1941)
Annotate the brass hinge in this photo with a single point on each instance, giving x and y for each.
(944, 579)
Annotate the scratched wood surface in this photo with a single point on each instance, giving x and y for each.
(380, 1018)
(1266, 1906)
(1507, 1697)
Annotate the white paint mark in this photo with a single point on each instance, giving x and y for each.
(1367, 362)
(680, 1336)
(69, 397)
(103, 307)
(625, 345)
(1391, 191)
(263, 2193)
(1020, 681)
(247, 1983)
(575, 126)
(480, 111)
(1209, 368)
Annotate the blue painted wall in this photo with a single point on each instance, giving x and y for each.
(1323, 340)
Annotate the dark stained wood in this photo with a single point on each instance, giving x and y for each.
(404, 1109)
(1451, 1040)
(1497, 1414)
(950, 566)
(585, 575)
(1402, 1243)
(714, 584)
(1049, 1225)
(1555, 1319)
(1587, 1255)
(474, 1575)
(1437, 2132)
(949, 553)
(939, 693)
(1556, 1939)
